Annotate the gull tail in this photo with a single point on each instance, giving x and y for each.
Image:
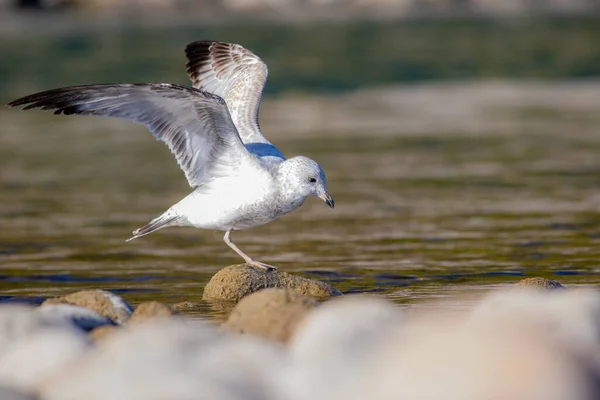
(167, 219)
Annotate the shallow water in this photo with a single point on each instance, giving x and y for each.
(419, 215)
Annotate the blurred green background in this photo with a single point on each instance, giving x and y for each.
(319, 56)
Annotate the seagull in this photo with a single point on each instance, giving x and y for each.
(240, 180)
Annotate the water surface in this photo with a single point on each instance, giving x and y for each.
(419, 215)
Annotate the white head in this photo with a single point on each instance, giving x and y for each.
(305, 177)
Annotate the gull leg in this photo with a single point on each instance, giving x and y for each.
(248, 260)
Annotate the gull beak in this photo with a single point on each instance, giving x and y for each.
(326, 197)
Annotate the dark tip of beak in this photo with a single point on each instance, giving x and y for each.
(330, 203)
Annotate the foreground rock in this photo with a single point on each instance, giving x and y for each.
(332, 343)
(570, 317)
(35, 345)
(236, 281)
(538, 283)
(514, 344)
(103, 332)
(172, 359)
(103, 302)
(12, 394)
(330, 332)
(271, 313)
(443, 359)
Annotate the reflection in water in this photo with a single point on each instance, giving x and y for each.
(419, 215)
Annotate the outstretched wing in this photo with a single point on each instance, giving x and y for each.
(235, 74)
(195, 125)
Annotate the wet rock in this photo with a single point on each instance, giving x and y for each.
(151, 310)
(173, 359)
(81, 317)
(236, 281)
(538, 283)
(103, 302)
(271, 313)
(308, 287)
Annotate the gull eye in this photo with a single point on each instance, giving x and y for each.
(312, 180)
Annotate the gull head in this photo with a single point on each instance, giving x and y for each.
(305, 177)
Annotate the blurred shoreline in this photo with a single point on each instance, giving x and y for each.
(17, 17)
(355, 55)
(16, 14)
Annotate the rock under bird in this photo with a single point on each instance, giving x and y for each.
(240, 179)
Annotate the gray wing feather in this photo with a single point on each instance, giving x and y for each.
(195, 125)
(235, 74)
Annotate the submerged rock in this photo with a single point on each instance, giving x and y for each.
(188, 306)
(538, 283)
(151, 310)
(236, 281)
(271, 313)
(103, 302)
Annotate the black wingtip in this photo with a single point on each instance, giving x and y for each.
(28, 102)
(200, 44)
(14, 103)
